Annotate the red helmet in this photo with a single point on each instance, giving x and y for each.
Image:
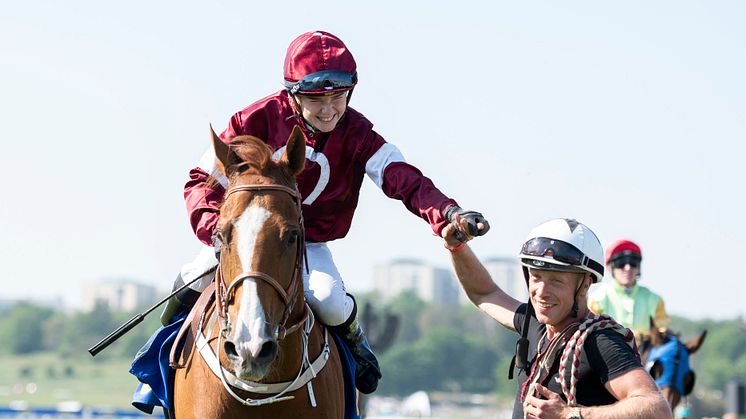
(319, 63)
(622, 248)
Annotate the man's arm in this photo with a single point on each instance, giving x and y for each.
(638, 398)
(479, 286)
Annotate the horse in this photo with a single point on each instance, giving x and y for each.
(666, 358)
(257, 350)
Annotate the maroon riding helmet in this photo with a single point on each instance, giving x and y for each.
(318, 63)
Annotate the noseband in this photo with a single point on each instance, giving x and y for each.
(222, 292)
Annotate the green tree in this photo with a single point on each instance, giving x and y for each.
(443, 360)
(85, 329)
(21, 330)
(409, 307)
(722, 357)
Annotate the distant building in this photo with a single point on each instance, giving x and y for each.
(508, 275)
(119, 295)
(431, 284)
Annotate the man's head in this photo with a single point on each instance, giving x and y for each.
(561, 259)
(624, 257)
(320, 74)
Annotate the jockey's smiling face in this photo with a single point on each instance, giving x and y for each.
(553, 295)
(323, 111)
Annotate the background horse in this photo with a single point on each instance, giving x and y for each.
(258, 353)
(666, 358)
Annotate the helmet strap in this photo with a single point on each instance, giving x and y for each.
(349, 96)
(299, 113)
(575, 308)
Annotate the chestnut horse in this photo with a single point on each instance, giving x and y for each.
(258, 352)
(666, 358)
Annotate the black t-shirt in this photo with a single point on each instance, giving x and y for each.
(605, 355)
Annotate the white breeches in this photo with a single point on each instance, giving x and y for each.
(324, 289)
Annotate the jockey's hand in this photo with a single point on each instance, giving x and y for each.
(468, 224)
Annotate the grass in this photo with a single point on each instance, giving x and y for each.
(47, 379)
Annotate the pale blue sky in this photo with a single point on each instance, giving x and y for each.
(629, 116)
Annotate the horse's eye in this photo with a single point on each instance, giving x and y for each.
(293, 237)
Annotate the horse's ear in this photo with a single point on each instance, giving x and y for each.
(656, 370)
(225, 156)
(656, 339)
(694, 344)
(294, 157)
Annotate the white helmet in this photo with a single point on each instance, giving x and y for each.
(563, 244)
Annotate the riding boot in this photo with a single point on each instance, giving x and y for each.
(198, 274)
(181, 302)
(367, 371)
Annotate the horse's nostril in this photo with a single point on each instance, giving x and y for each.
(230, 349)
(268, 351)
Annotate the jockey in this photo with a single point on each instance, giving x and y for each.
(320, 75)
(631, 304)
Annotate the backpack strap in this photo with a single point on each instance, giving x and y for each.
(520, 359)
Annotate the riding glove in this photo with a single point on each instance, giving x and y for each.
(455, 213)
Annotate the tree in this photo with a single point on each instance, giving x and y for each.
(85, 329)
(21, 330)
(409, 307)
(443, 360)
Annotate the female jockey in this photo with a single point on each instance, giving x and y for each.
(341, 147)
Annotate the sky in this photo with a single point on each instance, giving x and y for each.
(628, 116)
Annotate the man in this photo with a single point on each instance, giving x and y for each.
(631, 304)
(577, 365)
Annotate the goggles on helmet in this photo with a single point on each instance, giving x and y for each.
(322, 82)
(621, 261)
(559, 251)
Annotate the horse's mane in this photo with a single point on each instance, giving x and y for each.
(251, 151)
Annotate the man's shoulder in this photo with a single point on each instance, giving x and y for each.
(608, 339)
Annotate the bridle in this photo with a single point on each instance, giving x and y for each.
(308, 369)
(223, 292)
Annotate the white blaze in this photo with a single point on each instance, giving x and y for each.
(249, 334)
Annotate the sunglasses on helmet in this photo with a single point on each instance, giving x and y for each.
(621, 262)
(559, 251)
(323, 81)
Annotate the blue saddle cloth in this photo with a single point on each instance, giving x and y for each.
(156, 387)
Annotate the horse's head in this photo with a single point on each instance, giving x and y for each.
(666, 358)
(260, 239)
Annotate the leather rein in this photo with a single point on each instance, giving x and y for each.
(223, 291)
